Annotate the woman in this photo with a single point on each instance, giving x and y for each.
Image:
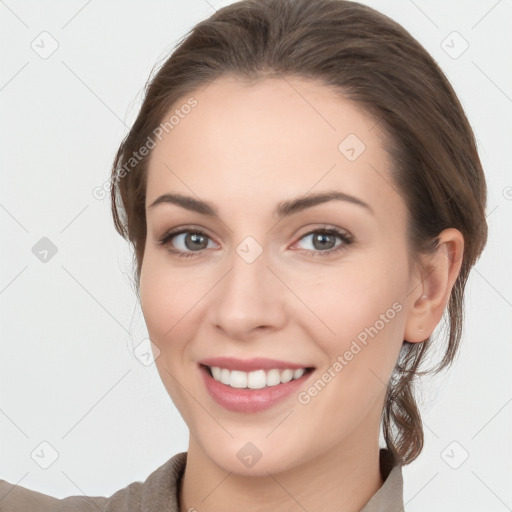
(305, 200)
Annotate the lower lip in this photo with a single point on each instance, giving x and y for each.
(249, 400)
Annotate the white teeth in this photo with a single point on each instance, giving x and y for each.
(257, 379)
(216, 372)
(238, 379)
(286, 376)
(273, 377)
(298, 373)
(224, 376)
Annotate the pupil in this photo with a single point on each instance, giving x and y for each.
(195, 238)
(321, 238)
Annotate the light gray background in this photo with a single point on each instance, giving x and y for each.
(68, 372)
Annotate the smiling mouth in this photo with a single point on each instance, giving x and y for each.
(257, 379)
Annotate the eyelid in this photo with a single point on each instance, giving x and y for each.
(325, 228)
(345, 236)
(171, 233)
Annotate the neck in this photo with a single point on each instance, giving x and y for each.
(342, 480)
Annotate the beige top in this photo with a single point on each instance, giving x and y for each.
(160, 493)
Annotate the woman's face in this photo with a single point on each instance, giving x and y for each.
(274, 273)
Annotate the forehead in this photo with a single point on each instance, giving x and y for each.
(269, 138)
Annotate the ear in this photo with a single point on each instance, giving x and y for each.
(432, 285)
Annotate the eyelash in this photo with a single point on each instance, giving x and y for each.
(345, 238)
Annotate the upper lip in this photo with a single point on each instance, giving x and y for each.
(248, 365)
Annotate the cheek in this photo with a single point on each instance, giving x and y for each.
(359, 308)
(167, 296)
(364, 314)
(169, 300)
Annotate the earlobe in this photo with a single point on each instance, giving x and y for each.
(431, 292)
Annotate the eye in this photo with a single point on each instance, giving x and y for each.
(186, 242)
(322, 241)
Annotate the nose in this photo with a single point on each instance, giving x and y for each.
(249, 300)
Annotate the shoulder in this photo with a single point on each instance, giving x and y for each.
(158, 491)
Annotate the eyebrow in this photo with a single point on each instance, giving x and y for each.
(283, 209)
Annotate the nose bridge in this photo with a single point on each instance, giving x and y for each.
(247, 297)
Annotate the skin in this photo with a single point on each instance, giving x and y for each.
(245, 148)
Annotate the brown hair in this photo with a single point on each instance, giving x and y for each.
(376, 63)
